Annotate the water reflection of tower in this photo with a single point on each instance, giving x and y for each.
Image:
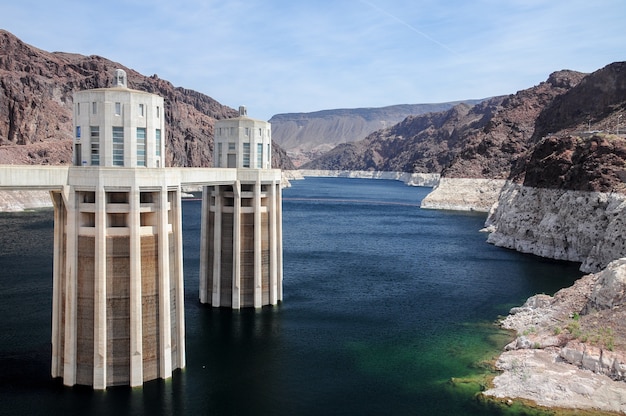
(118, 313)
(241, 260)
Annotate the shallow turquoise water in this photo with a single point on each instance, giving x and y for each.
(384, 304)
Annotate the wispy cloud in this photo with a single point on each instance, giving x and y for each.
(284, 56)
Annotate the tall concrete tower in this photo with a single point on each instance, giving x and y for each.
(241, 244)
(118, 312)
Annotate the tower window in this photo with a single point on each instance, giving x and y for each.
(158, 141)
(94, 137)
(141, 146)
(259, 155)
(246, 155)
(118, 146)
(141, 110)
(118, 109)
(94, 107)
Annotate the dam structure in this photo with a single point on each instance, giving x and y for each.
(241, 247)
(118, 293)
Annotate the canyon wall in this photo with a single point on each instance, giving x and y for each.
(580, 226)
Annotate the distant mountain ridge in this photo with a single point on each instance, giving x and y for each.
(521, 136)
(308, 135)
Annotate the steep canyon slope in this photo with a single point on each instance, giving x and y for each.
(36, 90)
(479, 141)
(308, 135)
(566, 196)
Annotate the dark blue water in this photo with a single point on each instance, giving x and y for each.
(384, 305)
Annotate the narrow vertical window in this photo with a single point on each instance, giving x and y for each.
(78, 108)
(118, 146)
(94, 108)
(141, 112)
(141, 146)
(218, 159)
(118, 109)
(94, 137)
(158, 142)
(158, 112)
(246, 155)
(259, 156)
(78, 132)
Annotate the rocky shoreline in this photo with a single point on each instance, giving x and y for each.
(410, 179)
(464, 194)
(570, 349)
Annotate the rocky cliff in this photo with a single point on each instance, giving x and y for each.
(308, 135)
(480, 141)
(36, 90)
(566, 199)
(580, 226)
(565, 195)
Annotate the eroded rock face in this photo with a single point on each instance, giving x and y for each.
(610, 290)
(579, 226)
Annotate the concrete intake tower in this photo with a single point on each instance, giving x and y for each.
(118, 297)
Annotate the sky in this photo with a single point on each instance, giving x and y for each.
(288, 56)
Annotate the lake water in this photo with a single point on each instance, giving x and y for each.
(384, 304)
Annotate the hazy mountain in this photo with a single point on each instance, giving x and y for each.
(308, 135)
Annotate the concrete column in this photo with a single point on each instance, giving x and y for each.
(217, 248)
(100, 294)
(178, 269)
(136, 315)
(273, 245)
(236, 246)
(258, 267)
(58, 268)
(69, 353)
(165, 337)
(279, 239)
(204, 245)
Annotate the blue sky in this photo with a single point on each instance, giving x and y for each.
(278, 56)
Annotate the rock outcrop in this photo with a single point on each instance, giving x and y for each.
(464, 194)
(579, 226)
(570, 349)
